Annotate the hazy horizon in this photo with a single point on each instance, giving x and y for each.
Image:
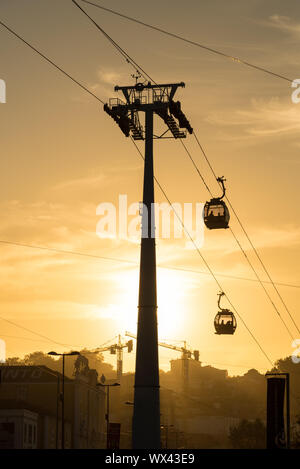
(63, 156)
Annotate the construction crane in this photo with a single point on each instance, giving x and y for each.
(186, 355)
(117, 349)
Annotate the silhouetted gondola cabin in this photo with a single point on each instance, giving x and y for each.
(215, 212)
(225, 322)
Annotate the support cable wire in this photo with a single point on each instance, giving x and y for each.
(45, 338)
(264, 267)
(193, 43)
(238, 242)
(96, 97)
(127, 57)
(51, 62)
(203, 180)
(64, 251)
(23, 338)
(35, 333)
(250, 241)
(198, 250)
(258, 278)
(196, 167)
(241, 248)
(44, 341)
(124, 54)
(263, 286)
(204, 260)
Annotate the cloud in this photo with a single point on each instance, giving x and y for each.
(284, 24)
(109, 311)
(262, 238)
(107, 80)
(263, 119)
(80, 183)
(281, 237)
(109, 76)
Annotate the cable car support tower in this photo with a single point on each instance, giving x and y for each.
(150, 99)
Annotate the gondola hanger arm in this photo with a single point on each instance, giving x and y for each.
(219, 300)
(221, 180)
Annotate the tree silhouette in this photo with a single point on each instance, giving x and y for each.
(248, 435)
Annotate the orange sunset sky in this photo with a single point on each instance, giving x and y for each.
(61, 156)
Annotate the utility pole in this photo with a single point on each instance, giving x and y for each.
(150, 99)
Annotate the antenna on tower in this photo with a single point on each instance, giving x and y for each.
(137, 76)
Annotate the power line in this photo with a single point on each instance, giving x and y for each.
(64, 251)
(196, 167)
(251, 244)
(46, 341)
(264, 288)
(51, 62)
(240, 246)
(23, 338)
(194, 43)
(119, 48)
(205, 262)
(196, 247)
(234, 277)
(35, 333)
(129, 58)
(122, 53)
(96, 97)
(45, 338)
(127, 261)
(264, 267)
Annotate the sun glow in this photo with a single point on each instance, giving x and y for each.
(170, 300)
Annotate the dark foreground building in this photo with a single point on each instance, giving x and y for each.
(30, 408)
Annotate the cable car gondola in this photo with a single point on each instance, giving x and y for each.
(225, 322)
(215, 212)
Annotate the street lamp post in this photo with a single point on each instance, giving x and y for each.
(166, 427)
(107, 407)
(63, 392)
(57, 412)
